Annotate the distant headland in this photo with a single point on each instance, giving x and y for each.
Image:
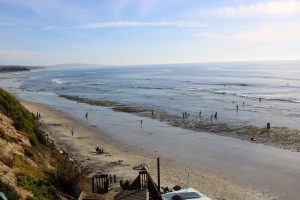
(15, 68)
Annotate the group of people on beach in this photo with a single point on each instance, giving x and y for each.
(184, 115)
(215, 116)
(38, 116)
(99, 150)
(112, 179)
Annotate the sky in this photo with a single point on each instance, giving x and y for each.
(134, 32)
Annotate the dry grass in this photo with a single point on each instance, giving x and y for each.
(66, 176)
(7, 161)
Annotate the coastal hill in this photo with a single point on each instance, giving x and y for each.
(15, 68)
(30, 167)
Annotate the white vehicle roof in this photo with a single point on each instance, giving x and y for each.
(185, 194)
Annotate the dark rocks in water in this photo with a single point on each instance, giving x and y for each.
(130, 109)
(89, 101)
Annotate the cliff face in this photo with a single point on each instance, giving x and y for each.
(12, 143)
(28, 162)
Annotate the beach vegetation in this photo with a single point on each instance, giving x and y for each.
(41, 138)
(41, 169)
(22, 118)
(28, 152)
(66, 176)
(8, 161)
(26, 167)
(40, 188)
(8, 138)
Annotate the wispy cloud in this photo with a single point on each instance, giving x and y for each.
(264, 8)
(53, 28)
(143, 7)
(21, 54)
(6, 24)
(12, 53)
(279, 32)
(286, 32)
(184, 24)
(52, 8)
(148, 5)
(210, 35)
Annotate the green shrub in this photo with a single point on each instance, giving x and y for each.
(66, 177)
(9, 191)
(22, 118)
(41, 189)
(26, 168)
(41, 137)
(28, 153)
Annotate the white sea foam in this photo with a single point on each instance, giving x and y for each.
(58, 81)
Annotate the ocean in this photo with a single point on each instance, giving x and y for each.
(265, 92)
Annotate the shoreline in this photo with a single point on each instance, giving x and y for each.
(279, 137)
(81, 147)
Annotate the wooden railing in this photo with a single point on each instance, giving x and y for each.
(144, 180)
(100, 184)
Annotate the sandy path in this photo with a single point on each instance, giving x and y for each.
(81, 147)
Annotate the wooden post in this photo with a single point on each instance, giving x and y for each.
(93, 185)
(158, 175)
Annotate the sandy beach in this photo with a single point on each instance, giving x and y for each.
(120, 161)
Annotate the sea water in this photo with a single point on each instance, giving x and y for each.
(263, 91)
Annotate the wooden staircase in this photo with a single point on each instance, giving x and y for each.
(142, 188)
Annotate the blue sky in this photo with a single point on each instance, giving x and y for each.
(124, 32)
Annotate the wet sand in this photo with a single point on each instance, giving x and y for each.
(81, 147)
(280, 137)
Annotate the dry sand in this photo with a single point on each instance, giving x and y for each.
(120, 161)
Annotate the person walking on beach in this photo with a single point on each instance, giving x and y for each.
(237, 108)
(38, 115)
(72, 131)
(86, 116)
(115, 179)
(110, 180)
(216, 115)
